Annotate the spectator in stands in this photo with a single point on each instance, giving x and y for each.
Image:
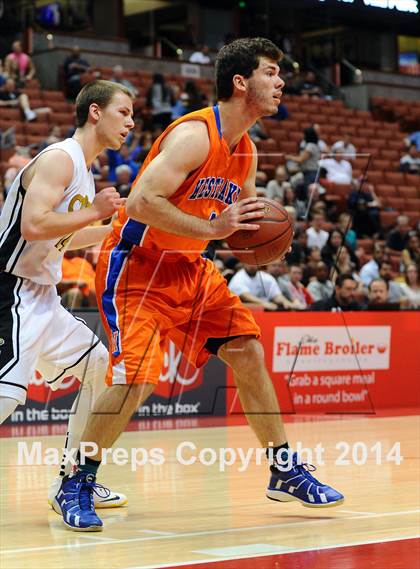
(309, 86)
(258, 131)
(18, 65)
(290, 199)
(195, 99)
(123, 178)
(74, 67)
(54, 136)
(309, 267)
(179, 108)
(395, 293)
(322, 145)
(280, 271)
(77, 286)
(343, 297)
(370, 270)
(378, 292)
(344, 225)
(413, 138)
(16, 162)
(118, 77)
(308, 157)
(259, 288)
(399, 236)
(316, 236)
(3, 75)
(300, 249)
(411, 253)
(411, 285)
(301, 297)
(339, 171)
(332, 250)
(410, 162)
(201, 56)
(276, 187)
(160, 99)
(364, 205)
(12, 97)
(321, 288)
(345, 147)
(117, 158)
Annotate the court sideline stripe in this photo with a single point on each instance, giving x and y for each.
(21, 550)
(297, 550)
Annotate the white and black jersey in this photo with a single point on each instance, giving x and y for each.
(36, 331)
(40, 261)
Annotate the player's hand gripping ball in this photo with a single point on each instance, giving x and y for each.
(268, 243)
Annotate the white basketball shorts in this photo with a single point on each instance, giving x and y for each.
(38, 333)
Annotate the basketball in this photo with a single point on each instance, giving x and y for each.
(271, 241)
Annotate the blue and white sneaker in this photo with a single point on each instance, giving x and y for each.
(74, 502)
(299, 484)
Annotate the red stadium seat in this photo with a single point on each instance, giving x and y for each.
(396, 178)
(388, 218)
(408, 192)
(386, 190)
(396, 203)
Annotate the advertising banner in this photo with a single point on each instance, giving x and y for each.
(340, 362)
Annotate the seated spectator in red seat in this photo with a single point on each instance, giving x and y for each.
(379, 298)
(300, 249)
(345, 223)
(259, 288)
(411, 285)
(317, 237)
(77, 285)
(308, 157)
(410, 162)
(309, 86)
(289, 199)
(411, 253)
(18, 65)
(309, 267)
(370, 270)
(395, 293)
(201, 55)
(301, 298)
(322, 145)
(280, 271)
(10, 96)
(321, 288)
(364, 204)
(343, 297)
(74, 67)
(399, 236)
(338, 169)
(160, 99)
(332, 250)
(276, 187)
(123, 175)
(118, 77)
(345, 147)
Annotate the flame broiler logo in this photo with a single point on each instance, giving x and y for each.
(331, 348)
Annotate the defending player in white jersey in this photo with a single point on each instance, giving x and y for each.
(49, 209)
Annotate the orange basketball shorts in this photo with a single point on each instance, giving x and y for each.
(143, 301)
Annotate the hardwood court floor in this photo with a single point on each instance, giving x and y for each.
(180, 514)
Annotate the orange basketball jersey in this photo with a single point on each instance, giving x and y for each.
(206, 192)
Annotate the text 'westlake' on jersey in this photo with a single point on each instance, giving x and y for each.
(206, 192)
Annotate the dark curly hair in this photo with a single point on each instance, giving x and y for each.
(241, 57)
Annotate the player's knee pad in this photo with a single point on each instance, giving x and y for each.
(7, 406)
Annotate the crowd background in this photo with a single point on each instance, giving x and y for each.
(349, 179)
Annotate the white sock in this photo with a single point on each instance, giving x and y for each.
(7, 406)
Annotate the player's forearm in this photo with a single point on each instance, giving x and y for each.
(43, 226)
(89, 236)
(159, 212)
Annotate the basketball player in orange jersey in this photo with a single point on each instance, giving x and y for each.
(197, 184)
